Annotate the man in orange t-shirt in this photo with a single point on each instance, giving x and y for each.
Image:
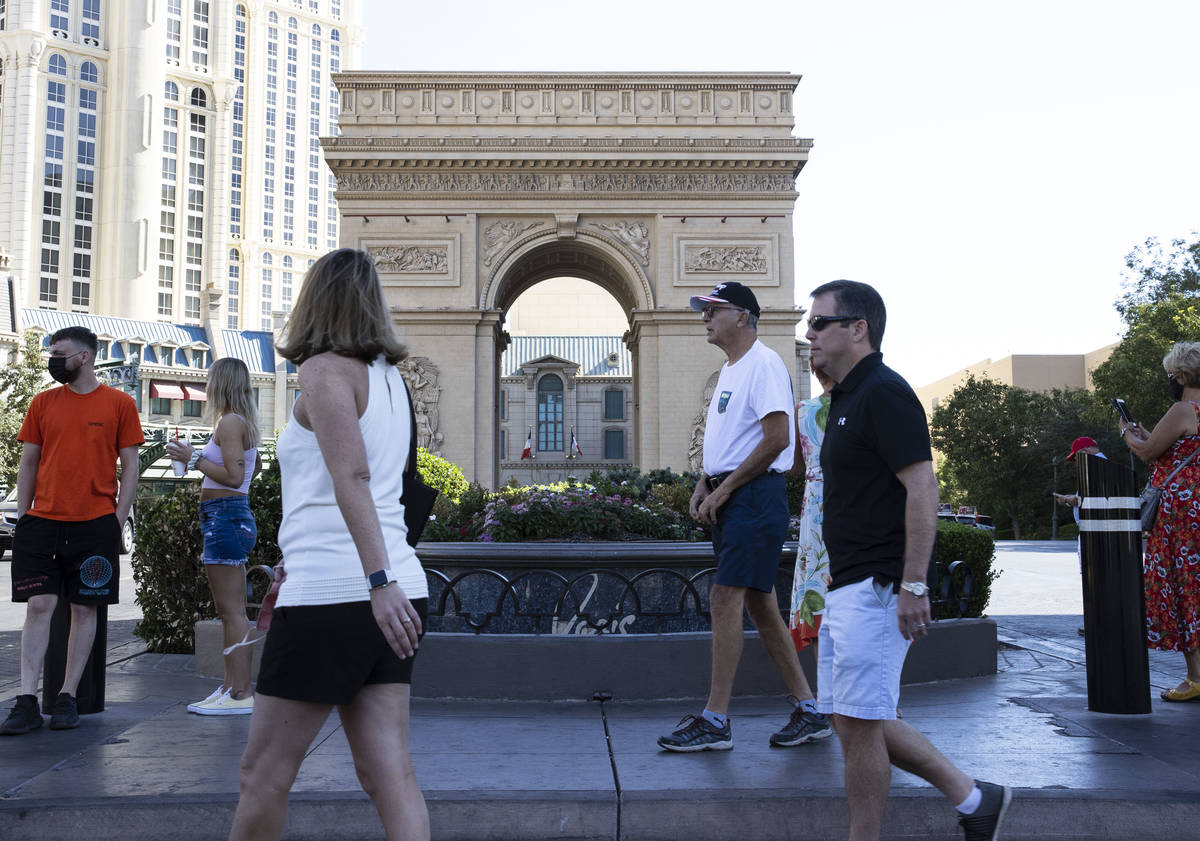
(70, 516)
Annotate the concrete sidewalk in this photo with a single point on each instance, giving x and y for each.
(146, 769)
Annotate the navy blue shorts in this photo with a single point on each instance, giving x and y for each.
(749, 534)
(81, 556)
(229, 529)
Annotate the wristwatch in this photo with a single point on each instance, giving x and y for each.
(918, 588)
(380, 578)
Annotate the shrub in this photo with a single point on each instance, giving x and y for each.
(956, 542)
(577, 512)
(443, 476)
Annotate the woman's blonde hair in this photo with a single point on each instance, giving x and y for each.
(229, 393)
(1184, 358)
(340, 309)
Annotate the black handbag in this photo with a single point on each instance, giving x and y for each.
(1152, 496)
(417, 497)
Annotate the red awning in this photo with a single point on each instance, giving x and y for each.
(169, 391)
(194, 391)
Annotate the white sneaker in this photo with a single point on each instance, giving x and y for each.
(228, 705)
(216, 693)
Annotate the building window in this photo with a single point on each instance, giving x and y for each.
(192, 408)
(550, 414)
(160, 406)
(614, 404)
(503, 444)
(614, 443)
(503, 404)
(257, 404)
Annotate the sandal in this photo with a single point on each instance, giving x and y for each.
(1191, 693)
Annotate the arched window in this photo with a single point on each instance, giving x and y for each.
(58, 65)
(550, 414)
(267, 259)
(88, 72)
(199, 98)
(273, 17)
(293, 24)
(171, 92)
(316, 30)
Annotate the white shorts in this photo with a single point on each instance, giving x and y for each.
(860, 652)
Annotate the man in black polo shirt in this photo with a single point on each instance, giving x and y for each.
(880, 521)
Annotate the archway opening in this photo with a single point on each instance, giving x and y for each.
(565, 391)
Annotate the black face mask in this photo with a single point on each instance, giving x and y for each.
(58, 370)
(1175, 389)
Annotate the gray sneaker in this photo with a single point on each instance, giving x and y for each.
(802, 727)
(695, 733)
(25, 716)
(66, 713)
(984, 823)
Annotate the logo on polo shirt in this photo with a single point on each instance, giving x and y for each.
(842, 420)
(723, 401)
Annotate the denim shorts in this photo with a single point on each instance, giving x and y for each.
(860, 652)
(749, 533)
(228, 528)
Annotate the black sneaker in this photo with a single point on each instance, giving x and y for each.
(984, 824)
(802, 727)
(66, 713)
(25, 716)
(696, 733)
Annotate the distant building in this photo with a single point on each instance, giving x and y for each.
(553, 387)
(1035, 372)
(161, 160)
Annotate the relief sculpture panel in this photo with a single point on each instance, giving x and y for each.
(421, 376)
(725, 258)
(413, 258)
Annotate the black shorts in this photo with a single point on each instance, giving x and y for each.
(326, 653)
(82, 555)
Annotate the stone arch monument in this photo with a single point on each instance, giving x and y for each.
(470, 188)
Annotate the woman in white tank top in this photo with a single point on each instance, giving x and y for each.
(228, 463)
(351, 603)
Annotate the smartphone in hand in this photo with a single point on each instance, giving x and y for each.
(1119, 405)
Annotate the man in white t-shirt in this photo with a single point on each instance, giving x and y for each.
(749, 440)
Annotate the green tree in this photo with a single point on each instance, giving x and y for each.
(1159, 307)
(994, 445)
(19, 382)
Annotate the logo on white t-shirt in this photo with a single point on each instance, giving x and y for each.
(723, 401)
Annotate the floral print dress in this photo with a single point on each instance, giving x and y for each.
(1172, 564)
(811, 578)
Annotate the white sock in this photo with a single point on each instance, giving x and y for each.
(809, 705)
(968, 806)
(715, 719)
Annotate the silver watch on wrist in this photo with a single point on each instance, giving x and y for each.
(918, 588)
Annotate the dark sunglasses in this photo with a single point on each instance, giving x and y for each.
(819, 322)
(708, 311)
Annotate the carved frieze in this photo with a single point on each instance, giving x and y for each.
(699, 420)
(412, 259)
(498, 235)
(583, 182)
(728, 259)
(421, 375)
(633, 235)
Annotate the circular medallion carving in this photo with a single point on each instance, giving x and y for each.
(368, 101)
(764, 101)
(487, 101)
(447, 101)
(725, 102)
(646, 102)
(606, 101)
(568, 102)
(685, 102)
(527, 101)
(406, 101)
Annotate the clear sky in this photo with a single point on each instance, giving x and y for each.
(985, 165)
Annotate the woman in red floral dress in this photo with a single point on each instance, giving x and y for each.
(1172, 562)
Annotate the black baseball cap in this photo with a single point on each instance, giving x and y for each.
(729, 292)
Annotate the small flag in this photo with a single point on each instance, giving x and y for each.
(575, 444)
(527, 452)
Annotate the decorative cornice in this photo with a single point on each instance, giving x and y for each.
(348, 144)
(565, 81)
(378, 182)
